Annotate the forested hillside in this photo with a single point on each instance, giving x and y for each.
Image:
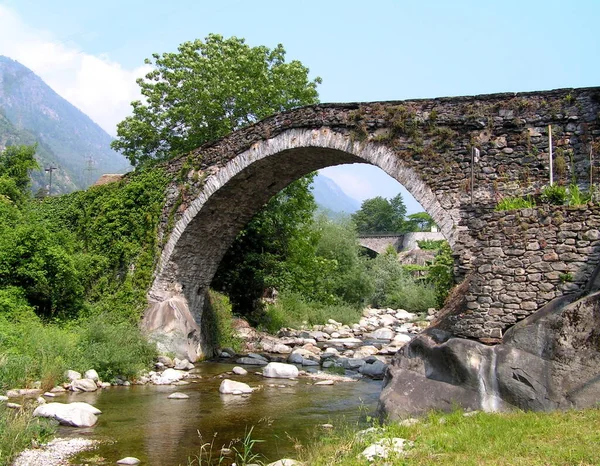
(31, 112)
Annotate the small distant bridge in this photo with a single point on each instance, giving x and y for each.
(379, 242)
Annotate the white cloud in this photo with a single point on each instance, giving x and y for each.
(99, 87)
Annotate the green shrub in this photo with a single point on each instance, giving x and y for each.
(577, 197)
(514, 203)
(554, 194)
(431, 244)
(218, 318)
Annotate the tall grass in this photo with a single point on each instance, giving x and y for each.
(33, 351)
(18, 429)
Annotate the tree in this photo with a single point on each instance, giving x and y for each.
(421, 221)
(206, 90)
(15, 164)
(378, 215)
(258, 257)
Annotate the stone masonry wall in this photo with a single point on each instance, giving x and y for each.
(521, 260)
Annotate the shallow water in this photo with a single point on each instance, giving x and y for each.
(142, 422)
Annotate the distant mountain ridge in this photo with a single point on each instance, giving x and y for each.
(330, 197)
(30, 112)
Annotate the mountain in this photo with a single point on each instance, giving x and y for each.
(330, 197)
(31, 112)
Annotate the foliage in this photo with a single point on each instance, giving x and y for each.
(294, 310)
(430, 244)
(19, 430)
(378, 215)
(513, 203)
(217, 317)
(15, 164)
(532, 438)
(441, 273)
(396, 287)
(420, 221)
(554, 194)
(206, 90)
(257, 258)
(577, 197)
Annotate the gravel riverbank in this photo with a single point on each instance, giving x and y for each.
(54, 453)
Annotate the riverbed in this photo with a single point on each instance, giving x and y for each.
(140, 421)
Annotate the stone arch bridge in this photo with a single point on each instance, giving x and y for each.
(510, 264)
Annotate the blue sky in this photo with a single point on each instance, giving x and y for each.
(91, 52)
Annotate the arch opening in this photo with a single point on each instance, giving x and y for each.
(235, 193)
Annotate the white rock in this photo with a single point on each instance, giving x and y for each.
(401, 314)
(72, 375)
(183, 364)
(13, 405)
(285, 462)
(178, 396)
(40, 400)
(91, 374)
(381, 334)
(86, 406)
(384, 447)
(325, 382)
(3, 398)
(168, 377)
(83, 385)
(234, 388)
(57, 389)
(49, 395)
(72, 414)
(280, 370)
(131, 460)
(402, 338)
(239, 370)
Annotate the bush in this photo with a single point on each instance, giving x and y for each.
(554, 194)
(218, 319)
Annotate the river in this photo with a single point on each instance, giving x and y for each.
(140, 421)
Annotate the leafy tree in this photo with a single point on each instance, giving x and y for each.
(258, 257)
(421, 221)
(15, 164)
(378, 215)
(206, 90)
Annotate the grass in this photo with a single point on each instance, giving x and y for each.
(19, 430)
(292, 310)
(32, 351)
(513, 203)
(519, 438)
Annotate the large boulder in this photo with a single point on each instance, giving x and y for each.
(83, 385)
(168, 376)
(71, 414)
(280, 370)
(550, 360)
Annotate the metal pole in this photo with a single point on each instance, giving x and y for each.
(474, 160)
(550, 152)
(50, 169)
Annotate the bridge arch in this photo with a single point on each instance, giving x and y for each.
(234, 192)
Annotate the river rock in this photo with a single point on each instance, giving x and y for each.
(280, 370)
(183, 365)
(92, 375)
(83, 385)
(248, 361)
(232, 387)
(72, 375)
(351, 363)
(129, 460)
(166, 361)
(167, 377)
(286, 462)
(72, 414)
(310, 363)
(24, 392)
(3, 398)
(401, 314)
(401, 338)
(58, 389)
(375, 370)
(239, 371)
(382, 333)
(178, 396)
(324, 382)
(384, 447)
(345, 342)
(365, 351)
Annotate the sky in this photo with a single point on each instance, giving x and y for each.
(91, 52)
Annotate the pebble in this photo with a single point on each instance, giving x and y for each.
(129, 460)
(178, 396)
(54, 453)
